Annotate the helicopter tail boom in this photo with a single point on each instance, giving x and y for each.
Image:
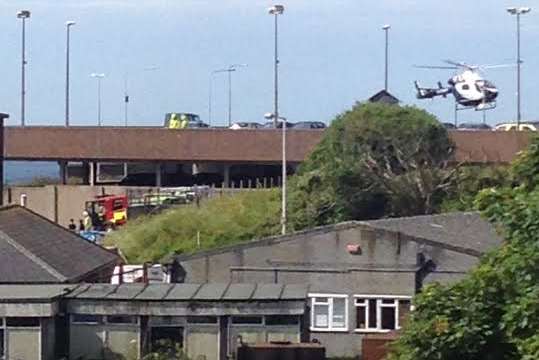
(429, 93)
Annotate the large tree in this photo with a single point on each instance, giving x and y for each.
(375, 160)
(494, 312)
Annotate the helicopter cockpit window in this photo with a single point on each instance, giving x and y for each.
(465, 87)
(488, 84)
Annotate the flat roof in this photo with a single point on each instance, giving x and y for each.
(190, 292)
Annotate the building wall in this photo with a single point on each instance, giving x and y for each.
(386, 265)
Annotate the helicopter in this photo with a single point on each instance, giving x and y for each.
(470, 89)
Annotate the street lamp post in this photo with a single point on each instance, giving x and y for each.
(386, 30)
(517, 12)
(276, 10)
(23, 15)
(69, 24)
(271, 116)
(98, 76)
(232, 68)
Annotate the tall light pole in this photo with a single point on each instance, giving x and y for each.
(271, 116)
(276, 10)
(232, 68)
(126, 92)
(386, 30)
(517, 12)
(98, 77)
(23, 15)
(69, 24)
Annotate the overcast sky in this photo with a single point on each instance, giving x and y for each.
(331, 53)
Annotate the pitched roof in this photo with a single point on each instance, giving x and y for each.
(36, 250)
(385, 97)
(465, 232)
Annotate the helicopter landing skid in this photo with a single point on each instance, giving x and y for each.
(486, 106)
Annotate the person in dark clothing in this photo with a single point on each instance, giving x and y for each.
(81, 225)
(72, 225)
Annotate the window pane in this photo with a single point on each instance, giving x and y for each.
(404, 310)
(202, 319)
(388, 301)
(22, 322)
(321, 300)
(121, 319)
(321, 316)
(80, 318)
(247, 320)
(282, 320)
(1, 342)
(372, 314)
(388, 318)
(361, 317)
(339, 313)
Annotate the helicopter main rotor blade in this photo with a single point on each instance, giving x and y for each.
(435, 67)
(496, 66)
(460, 64)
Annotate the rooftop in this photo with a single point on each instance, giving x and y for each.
(35, 250)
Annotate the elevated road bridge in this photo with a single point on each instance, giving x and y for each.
(215, 147)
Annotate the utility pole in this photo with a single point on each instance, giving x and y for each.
(23, 15)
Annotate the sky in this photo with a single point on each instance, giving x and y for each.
(331, 55)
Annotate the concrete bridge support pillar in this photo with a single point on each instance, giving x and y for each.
(63, 172)
(91, 173)
(158, 174)
(226, 175)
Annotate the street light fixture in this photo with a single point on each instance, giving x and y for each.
(386, 30)
(23, 15)
(232, 68)
(98, 76)
(517, 12)
(69, 24)
(276, 10)
(271, 116)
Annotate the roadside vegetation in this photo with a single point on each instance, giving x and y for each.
(494, 312)
(216, 222)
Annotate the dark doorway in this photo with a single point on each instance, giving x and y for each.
(166, 340)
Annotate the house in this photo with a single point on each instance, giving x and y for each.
(361, 275)
(105, 321)
(384, 97)
(35, 250)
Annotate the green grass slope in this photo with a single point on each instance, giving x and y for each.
(218, 222)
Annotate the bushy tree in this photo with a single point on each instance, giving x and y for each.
(374, 160)
(494, 312)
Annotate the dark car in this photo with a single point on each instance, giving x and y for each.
(310, 125)
(269, 125)
(474, 126)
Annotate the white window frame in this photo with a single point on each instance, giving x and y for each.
(330, 298)
(379, 305)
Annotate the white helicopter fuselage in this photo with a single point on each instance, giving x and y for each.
(465, 86)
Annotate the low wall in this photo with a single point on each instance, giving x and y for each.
(60, 203)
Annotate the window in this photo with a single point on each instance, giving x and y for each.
(202, 319)
(465, 87)
(279, 320)
(22, 322)
(329, 312)
(380, 313)
(2, 343)
(247, 320)
(86, 319)
(121, 319)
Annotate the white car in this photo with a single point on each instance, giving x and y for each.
(524, 126)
